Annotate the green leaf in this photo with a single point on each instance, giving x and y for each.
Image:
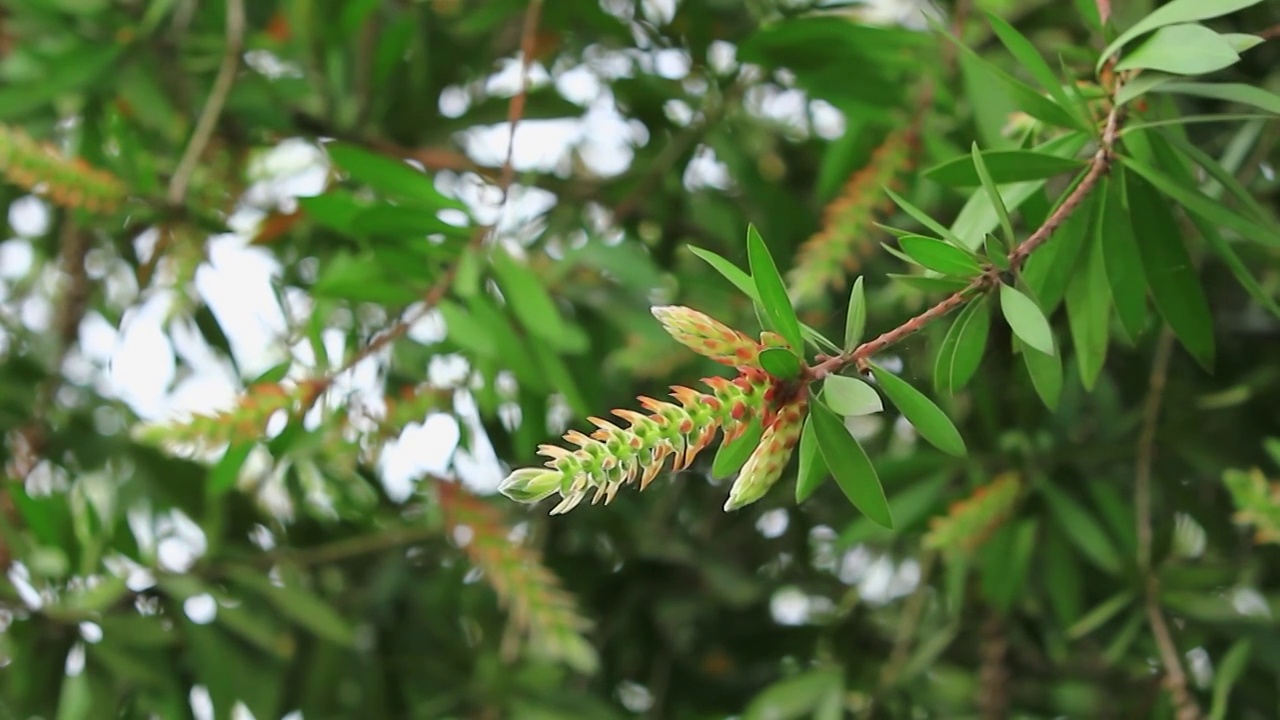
(1228, 671)
(1178, 11)
(1004, 166)
(1121, 258)
(939, 256)
(923, 218)
(1163, 146)
(813, 469)
(850, 396)
(855, 323)
(1025, 97)
(793, 697)
(970, 344)
(390, 177)
(301, 606)
(402, 220)
(996, 251)
(1045, 371)
(929, 420)
(533, 306)
(1097, 617)
(978, 216)
(1089, 313)
(731, 272)
(780, 363)
(1175, 286)
(773, 291)
(1025, 319)
(993, 192)
(1029, 59)
(1231, 92)
(1082, 529)
(1182, 50)
(733, 455)
(1197, 202)
(849, 465)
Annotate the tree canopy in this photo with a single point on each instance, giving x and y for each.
(526, 359)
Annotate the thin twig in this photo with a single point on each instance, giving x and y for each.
(213, 106)
(1175, 679)
(1099, 166)
(1147, 446)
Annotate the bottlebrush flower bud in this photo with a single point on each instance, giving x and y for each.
(707, 336)
(612, 456)
(529, 485)
(765, 465)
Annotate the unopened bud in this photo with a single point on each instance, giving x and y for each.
(707, 336)
(531, 484)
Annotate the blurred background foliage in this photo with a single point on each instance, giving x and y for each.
(180, 175)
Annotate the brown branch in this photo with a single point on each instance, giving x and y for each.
(1175, 679)
(1099, 166)
(208, 119)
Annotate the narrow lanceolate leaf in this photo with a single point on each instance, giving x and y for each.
(939, 256)
(971, 329)
(1046, 373)
(849, 233)
(1120, 257)
(1175, 286)
(1186, 49)
(850, 396)
(1178, 11)
(924, 218)
(855, 323)
(993, 192)
(1089, 312)
(1197, 202)
(773, 293)
(850, 465)
(538, 605)
(813, 469)
(1026, 320)
(707, 336)
(1228, 672)
(1029, 58)
(729, 271)
(1048, 271)
(1004, 166)
(928, 419)
(1083, 529)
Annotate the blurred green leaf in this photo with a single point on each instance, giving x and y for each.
(1177, 11)
(1004, 166)
(391, 177)
(1185, 49)
(731, 456)
(1084, 531)
(1227, 674)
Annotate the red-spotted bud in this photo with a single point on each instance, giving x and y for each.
(765, 465)
(707, 336)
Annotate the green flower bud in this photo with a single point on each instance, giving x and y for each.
(529, 485)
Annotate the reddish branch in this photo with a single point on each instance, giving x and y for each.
(1099, 166)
